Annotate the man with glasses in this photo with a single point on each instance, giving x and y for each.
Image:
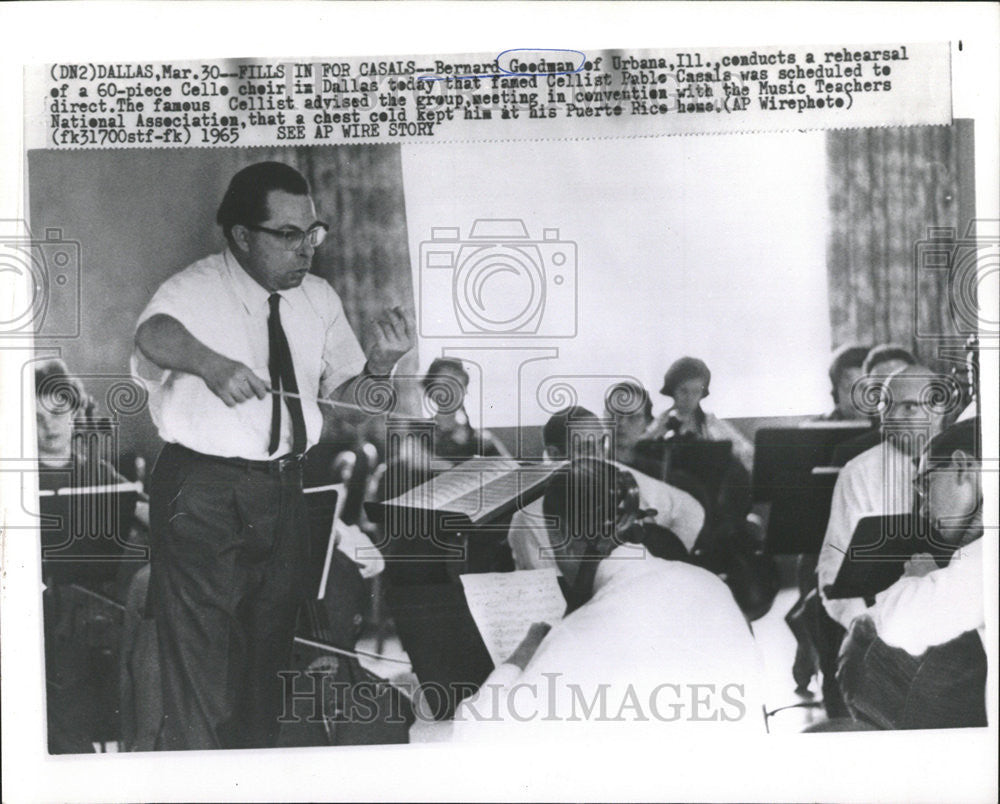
(916, 404)
(236, 350)
(917, 659)
(930, 605)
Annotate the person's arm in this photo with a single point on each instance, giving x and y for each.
(166, 343)
(836, 542)
(918, 611)
(390, 338)
(676, 510)
(502, 679)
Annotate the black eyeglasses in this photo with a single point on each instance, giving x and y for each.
(294, 238)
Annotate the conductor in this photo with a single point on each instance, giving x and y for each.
(235, 350)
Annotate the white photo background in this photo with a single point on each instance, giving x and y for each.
(708, 246)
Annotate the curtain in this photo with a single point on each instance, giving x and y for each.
(889, 190)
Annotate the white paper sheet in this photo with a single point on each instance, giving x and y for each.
(505, 604)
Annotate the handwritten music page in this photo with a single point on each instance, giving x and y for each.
(505, 604)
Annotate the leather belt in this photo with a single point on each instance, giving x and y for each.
(286, 463)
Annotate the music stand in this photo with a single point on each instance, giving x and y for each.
(879, 548)
(84, 532)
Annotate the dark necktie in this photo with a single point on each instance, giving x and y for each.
(283, 378)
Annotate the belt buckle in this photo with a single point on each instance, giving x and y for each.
(289, 462)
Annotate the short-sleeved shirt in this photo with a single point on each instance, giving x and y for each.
(878, 482)
(224, 308)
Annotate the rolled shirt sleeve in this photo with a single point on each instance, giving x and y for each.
(916, 613)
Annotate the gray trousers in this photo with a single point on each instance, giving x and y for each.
(229, 544)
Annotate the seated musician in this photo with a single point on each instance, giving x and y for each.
(880, 481)
(445, 387)
(628, 405)
(530, 540)
(917, 659)
(61, 399)
(881, 361)
(645, 641)
(845, 370)
(929, 605)
(686, 382)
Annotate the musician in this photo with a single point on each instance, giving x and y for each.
(845, 370)
(445, 387)
(530, 539)
(60, 400)
(628, 405)
(638, 633)
(928, 605)
(880, 480)
(880, 362)
(687, 381)
(71, 618)
(917, 658)
(215, 345)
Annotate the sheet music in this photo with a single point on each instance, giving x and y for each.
(476, 487)
(505, 604)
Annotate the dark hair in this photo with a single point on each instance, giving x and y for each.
(438, 367)
(628, 398)
(963, 435)
(848, 356)
(591, 494)
(245, 201)
(446, 394)
(886, 351)
(555, 433)
(66, 392)
(682, 370)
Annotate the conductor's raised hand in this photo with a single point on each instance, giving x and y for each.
(232, 381)
(391, 337)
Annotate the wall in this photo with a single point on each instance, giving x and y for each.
(710, 246)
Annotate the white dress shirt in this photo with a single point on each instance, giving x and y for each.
(661, 644)
(878, 482)
(676, 510)
(916, 613)
(224, 308)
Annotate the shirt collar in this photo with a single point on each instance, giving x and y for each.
(251, 293)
